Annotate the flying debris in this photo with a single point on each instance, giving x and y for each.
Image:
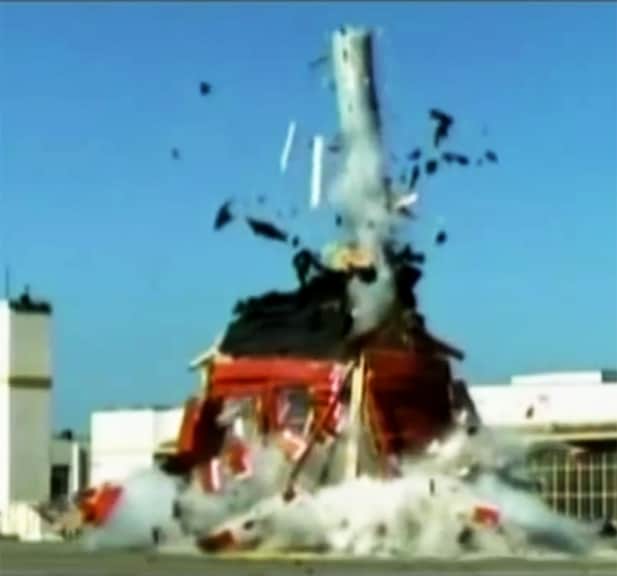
(529, 413)
(415, 174)
(318, 62)
(175, 153)
(404, 204)
(303, 262)
(431, 166)
(261, 199)
(338, 220)
(267, 230)
(205, 88)
(406, 201)
(223, 216)
(336, 145)
(441, 237)
(415, 155)
(318, 145)
(406, 212)
(608, 528)
(491, 156)
(449, 157)
(444, 123)
(287, 147)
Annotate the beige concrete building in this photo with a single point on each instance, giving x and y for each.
(25, 404)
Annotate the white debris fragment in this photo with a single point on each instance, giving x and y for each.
(316, 173)
(406, 201)
(289, 141)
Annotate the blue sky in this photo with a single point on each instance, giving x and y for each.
(96, 216)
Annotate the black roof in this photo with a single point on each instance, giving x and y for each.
(315, 319)
(27, 304)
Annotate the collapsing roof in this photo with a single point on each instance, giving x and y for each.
(315, 320)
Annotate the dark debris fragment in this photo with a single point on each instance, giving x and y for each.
(223, 216)
(444, 123)
(414, 155)
(491, 156)
(450, 157)
(367, 274)
(431, 166)
(608, 528)
(408, 255)
(406, 212)
(441, 237)
(415, 175)
(318, 62)
(465, 536)
(304, 262)
(266, 230)
(336, 145)
(205, 88)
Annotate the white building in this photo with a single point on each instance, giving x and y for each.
(579, 408)
(127, 440)
(25, 403)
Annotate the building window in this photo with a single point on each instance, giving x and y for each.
(584, 485)
(59, 488)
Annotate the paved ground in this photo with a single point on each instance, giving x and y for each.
(68, 560)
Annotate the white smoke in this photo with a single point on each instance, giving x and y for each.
(200, 511)
(360, 193)
(426, 512)
(143, 509)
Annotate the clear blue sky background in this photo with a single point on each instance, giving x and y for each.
(95, 215)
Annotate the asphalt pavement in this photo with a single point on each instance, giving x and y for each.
(59, 559)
